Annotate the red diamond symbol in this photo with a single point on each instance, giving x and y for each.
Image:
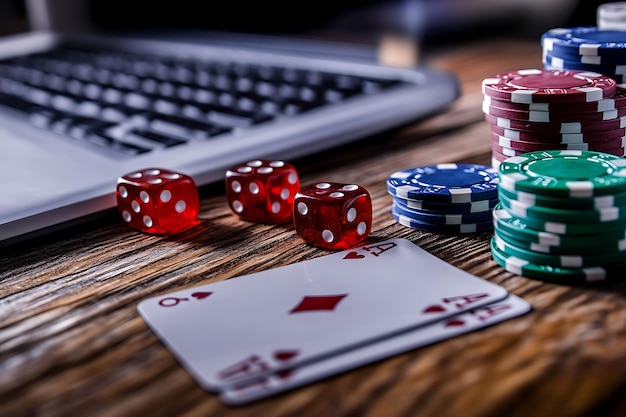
(318, 303)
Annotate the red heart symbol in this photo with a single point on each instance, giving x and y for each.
(434, 309)
(200, 295)
(285, 355)
(353, 255)
(455, 322)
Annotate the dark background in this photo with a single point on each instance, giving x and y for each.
(446, 21)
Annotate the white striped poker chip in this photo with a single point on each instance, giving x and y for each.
(599, 62)
(567, 62)
(584, 40)
(528, 146)
(559, 260)
(549, 86)
(504, 151)
(445, 183)
(512, 151)
(567, 173)
(611, 15)
(616, 101)
(523, 267)
(542, 240)
(605, 24)
(532, 199)
(559, 137)
(441, 228)
(441, 218)
(538, 116)
(471, 207)
(525, 210)
(555, 127)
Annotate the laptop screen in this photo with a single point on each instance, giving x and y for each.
(266, 17)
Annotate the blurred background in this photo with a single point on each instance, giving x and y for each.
(430, 23)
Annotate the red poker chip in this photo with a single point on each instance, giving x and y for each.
(495, 163)
(509, 152)
(547, 117)
(618, 100)
(504, 151)
(526, 146)
(495, 153)
(497, 158)
(549, 86)
(600, 136)
(617, 152)
(556, 127)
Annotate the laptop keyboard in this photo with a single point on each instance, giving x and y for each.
(136, 104)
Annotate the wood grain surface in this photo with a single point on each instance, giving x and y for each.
(73, 344)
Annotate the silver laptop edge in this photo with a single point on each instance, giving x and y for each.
(314, 131)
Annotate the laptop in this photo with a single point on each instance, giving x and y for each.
(99, 88)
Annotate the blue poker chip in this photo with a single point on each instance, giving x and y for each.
(445, 183)
(615, 71)
(441, 228)
(442, 218)
(611, 60)
(448, 208)
(584, 40)
(559, 63)
(619, 78)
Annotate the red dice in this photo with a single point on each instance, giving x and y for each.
(262, 191)
(158, 201)
(332, 215)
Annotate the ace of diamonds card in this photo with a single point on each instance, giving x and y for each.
(231, 331)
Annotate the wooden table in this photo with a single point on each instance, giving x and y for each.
(73, 344)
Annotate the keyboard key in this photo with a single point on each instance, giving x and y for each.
(154, 137)
(134, 104)
(17, 103)
(101, 138)
(42, 117)
(137, 101)
(118, 113)
(86, 126)
(185, 128)
(63, 103)
(88, 108)
(62, 125)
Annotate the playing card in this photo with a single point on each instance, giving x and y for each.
(234, 330)
(276, 383)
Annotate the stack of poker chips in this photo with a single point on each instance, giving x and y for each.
(562, 216)
(445, 198)
(586, 48)
(612, 16)
(536, 109)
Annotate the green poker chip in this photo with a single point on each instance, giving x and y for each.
(564, 173)
(560, 275)
(563, 228)
(505, 221)
(564, 261)
(576, 244)
(616, 200)
(525, 210)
